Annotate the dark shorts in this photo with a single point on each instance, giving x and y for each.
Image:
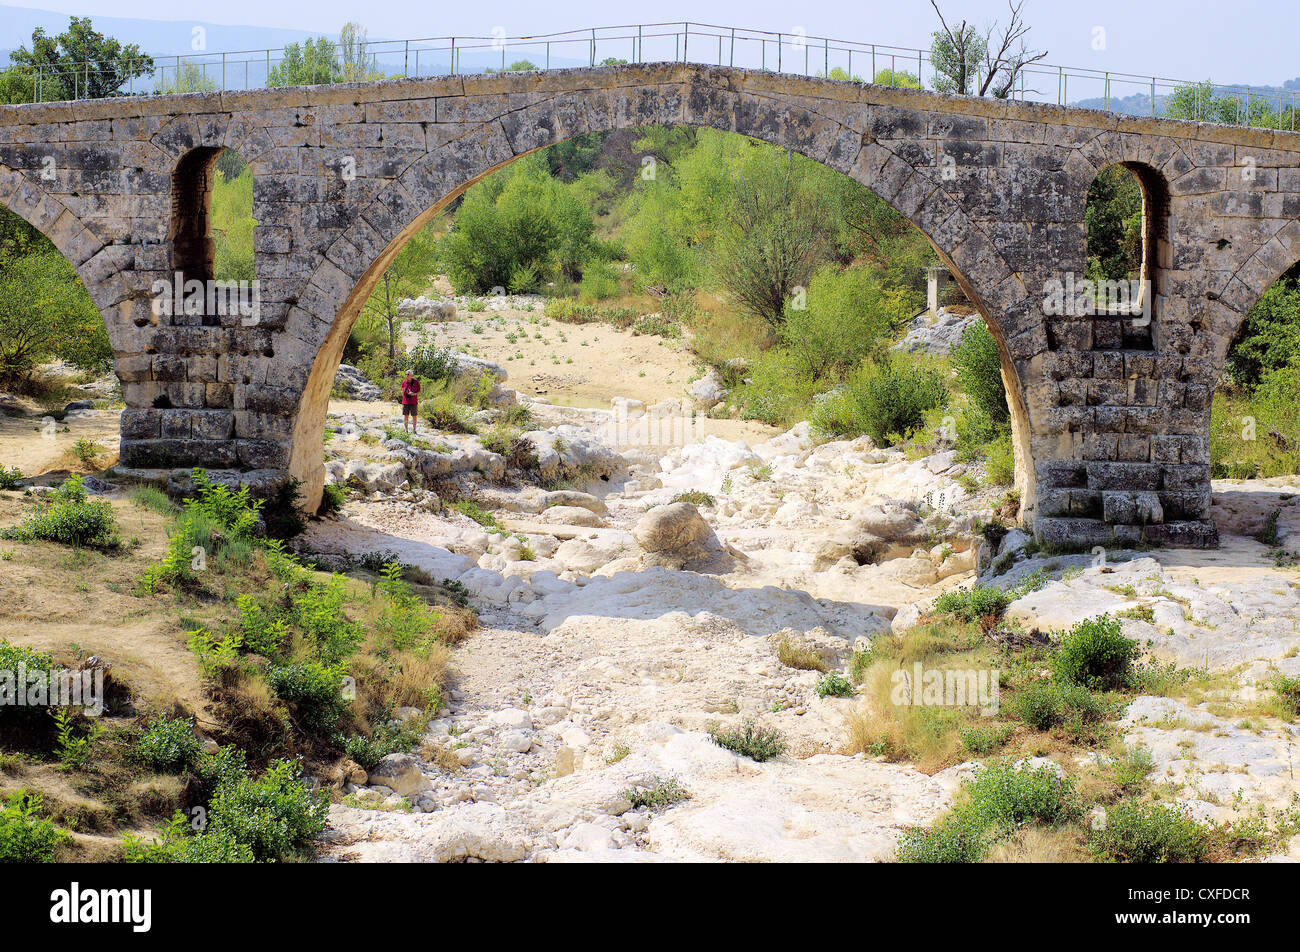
(408, 409)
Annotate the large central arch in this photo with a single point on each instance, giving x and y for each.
(911, 185)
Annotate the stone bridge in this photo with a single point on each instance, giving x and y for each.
(1110, 411)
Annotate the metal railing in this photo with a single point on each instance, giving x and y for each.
(683, 42)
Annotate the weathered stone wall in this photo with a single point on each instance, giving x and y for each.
(1110, 417)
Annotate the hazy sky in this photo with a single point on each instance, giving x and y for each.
(1250, 41)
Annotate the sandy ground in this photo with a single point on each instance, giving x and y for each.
(36, 448)
(581, 365)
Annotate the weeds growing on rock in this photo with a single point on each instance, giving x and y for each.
(751, 741)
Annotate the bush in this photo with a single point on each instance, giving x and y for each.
(1005, 794)
(957, 838)
(25, 837)
(972, 604)
(599, 282)
(751, 741)
(9, 478)
(276, 816)
(979, 375)
(1096, 654)
(1136, 833)
(518, 229)
(1000, 798)
(834, 685)
(265, 820)
(314, 690)
(887, 401)
(656, 793)
(168, 745)
(1048, 704)
(67, 517)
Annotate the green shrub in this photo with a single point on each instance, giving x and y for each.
(314, 690)
(656, 793)
(1010, 795)
(9, 478)
(834, 685)
(178, 844)
(276, 816)
(168, 745)
(1000, 461)
(887, 400)
(1288, 692)
(1137, 833)
(1049, 704)
(998, 799)
(751, 741)
(972, 604)
(269, 819)
(26, 837)
(979, 375)
(981, 740)
(332, 499)
(260, 632)
(318, 610)
(1096, 654)
(66, 516)
(599, 282)
(958, 838)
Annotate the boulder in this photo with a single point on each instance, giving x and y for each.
(676, 527)
(707, 392)
(399, 773)
(354, 384)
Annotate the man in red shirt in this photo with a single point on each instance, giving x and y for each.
(410, 403)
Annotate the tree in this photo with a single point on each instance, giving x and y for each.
(45, 312)
(774, 227)
(307, 64)
(186, 77)
(1113, 219)
(82, 62)
(1269, 338)
(1198, 102)
(352, 47)
(518, 229)
(898, 77)
(959, 55)
(407, 276)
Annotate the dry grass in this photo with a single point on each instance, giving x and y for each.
(1037, 844)
(799, 657)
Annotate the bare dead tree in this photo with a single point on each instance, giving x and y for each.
(958, 53)
(1012, 55)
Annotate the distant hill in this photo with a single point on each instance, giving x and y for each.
(171, 38)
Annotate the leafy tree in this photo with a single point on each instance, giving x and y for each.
(898, 77)
(18, 85)
(979, 376)
(81, 61)
(407, 276)
(1270, 336)
(774, 226)
(1113, 218)
(46, 312)
(232, 224)
(960, 55)
(1198, 102)
(188, 77)
(306, 64)
(518, 229)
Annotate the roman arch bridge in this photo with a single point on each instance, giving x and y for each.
(1110, 409)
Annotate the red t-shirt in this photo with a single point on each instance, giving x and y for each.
(411, 391)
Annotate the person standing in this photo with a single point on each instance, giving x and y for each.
(410, 403)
